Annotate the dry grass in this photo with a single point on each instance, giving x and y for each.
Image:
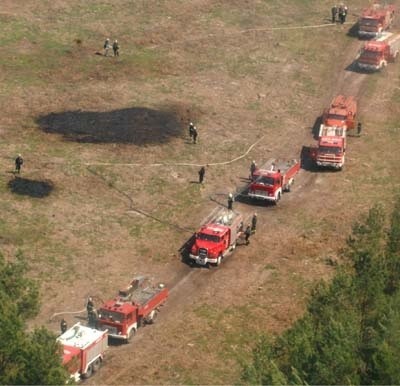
(192, 60)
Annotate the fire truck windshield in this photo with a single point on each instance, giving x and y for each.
(265, 180)
(371, 54)
(369, 22)
(204, 236)
(337, 117)
(329, 150)
(111, 315)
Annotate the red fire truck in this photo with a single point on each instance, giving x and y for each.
(83, 350)
(341, 112)
(375, 20)
(274, 178)
(331, 147)
(376, 54)
(134, 306)
(217, 238)
(336, 120)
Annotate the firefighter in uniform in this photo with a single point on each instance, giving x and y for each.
(230, 201)
(253, 168)
(91, 311)
(18, 163)
(106, 46)
(359, 128)
(334, 13)
(247, 234)
(254, 223)
(191, 130)
(202, 171)
(195, 134)
(115, 47)
(89, 305)
(63, 326)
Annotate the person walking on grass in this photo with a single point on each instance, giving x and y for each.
(253, 168)
(334, 13)
(106, 46)
(18, 163)
(247, 234)
(202, 172)
(254, 223)
(230, 201)
(195, 134)
(191, 130)
(63, 326)
(116, 48)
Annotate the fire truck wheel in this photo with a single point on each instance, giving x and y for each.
(96, 365)
(88, 373)
(130, 335)
(153, 317)
(219, 260)
(278, 197)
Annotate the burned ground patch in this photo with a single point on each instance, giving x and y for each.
(136, 125)
(32, 188)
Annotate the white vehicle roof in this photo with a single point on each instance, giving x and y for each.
(79, 336)
(331, 131)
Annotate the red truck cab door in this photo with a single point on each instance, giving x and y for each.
(226, 240)
(129, 320)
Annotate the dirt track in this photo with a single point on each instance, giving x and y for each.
(123, 360)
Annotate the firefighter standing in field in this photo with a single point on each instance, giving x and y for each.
(359, 128)
(334, 13)
(89, 305)
(253, 168)
(342, 13)
(63, 326)
(106, 46)
(230, 201)
(346, 11)
(247, 234)
(254, 223)
(18, 163)
(116, 48)
(191, 129)
(92, 313)
(195, 134)
(202, 171)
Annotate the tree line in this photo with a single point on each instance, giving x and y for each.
(26, 357)
(350, 332)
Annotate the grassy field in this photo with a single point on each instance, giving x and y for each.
(91, 128)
